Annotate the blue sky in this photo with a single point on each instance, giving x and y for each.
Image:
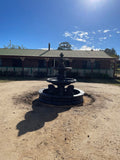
(85, 24)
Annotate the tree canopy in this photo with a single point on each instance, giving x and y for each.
(112, 52)
(12, 46)
(64, 46)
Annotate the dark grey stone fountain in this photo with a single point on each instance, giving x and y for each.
(60, 92)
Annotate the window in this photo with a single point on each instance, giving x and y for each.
(97, 65)
(16, 63)
(42, 63)
(86, 64)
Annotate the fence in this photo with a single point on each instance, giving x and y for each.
(43, 72)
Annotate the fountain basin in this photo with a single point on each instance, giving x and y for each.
(76, 98)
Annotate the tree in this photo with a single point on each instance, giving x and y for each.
(12, 46)
(111, 52)
(64, 46)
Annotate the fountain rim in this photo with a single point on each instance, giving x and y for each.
(56, 79)
(81, 93)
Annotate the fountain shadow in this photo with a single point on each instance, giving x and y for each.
(36, 118)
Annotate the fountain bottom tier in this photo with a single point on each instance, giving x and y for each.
(61, 96)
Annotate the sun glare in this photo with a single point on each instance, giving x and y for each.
(96, 1)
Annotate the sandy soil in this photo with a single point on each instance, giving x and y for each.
(29, 131)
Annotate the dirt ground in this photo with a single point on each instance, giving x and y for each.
(34, 131)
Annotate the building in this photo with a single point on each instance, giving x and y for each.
(35, 62)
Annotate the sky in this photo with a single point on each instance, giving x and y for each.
(85, 24)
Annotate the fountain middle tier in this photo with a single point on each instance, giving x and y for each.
(63, 82)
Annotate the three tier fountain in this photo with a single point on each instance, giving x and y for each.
(60, 92)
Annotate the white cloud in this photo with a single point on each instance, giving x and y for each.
(75, 48)
(110, 35)
(105, 31)
(86, 47)
(102, 38)
(77, 35)
(81, 34)
(76, 32)
(99, 30)
(67, 34)
(80, 39)
(89, 48)
(45, 48)
(118, 32)
(93, 37)
(93, 33)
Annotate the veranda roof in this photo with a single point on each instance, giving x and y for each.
(53, 53)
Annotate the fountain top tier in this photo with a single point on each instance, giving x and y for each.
(61, 77)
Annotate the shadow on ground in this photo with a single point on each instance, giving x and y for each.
(36, 118)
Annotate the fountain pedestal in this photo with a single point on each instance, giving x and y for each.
(60, 92)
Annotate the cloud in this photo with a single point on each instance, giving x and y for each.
(45, 48)
(93, 33)
(105, 31)
(67, 34)
(75, 48)
(89, 48)
(92, 37)
(110, 35)
(118, 32)
(99, 30)
(80, 36)
(85, 48)
(102, 38)
(76, 32)
(80, 39)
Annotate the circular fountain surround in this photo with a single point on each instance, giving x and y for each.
(60, 92)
